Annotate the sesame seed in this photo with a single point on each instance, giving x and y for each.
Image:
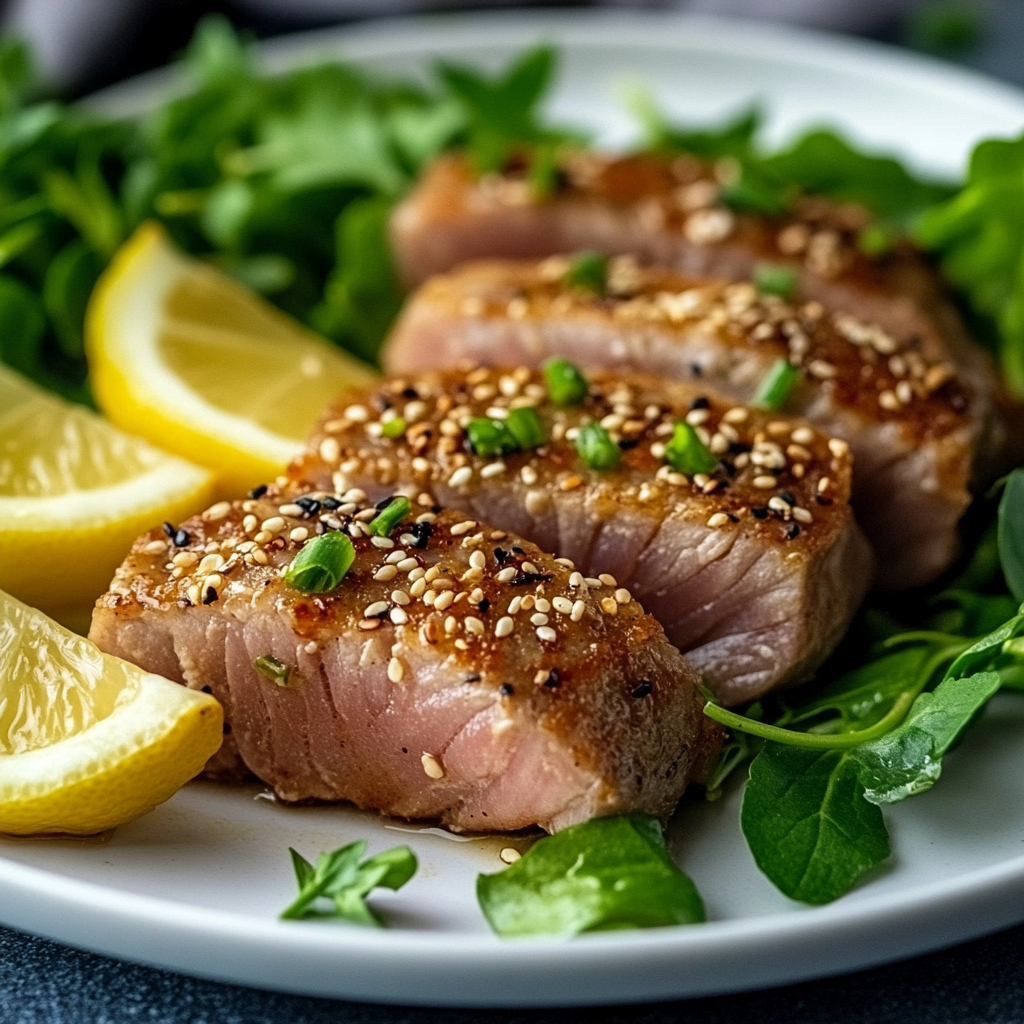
(530, 568)
(570, 483)
(608, 579)
(492, 469)
(385, 573)
(444, 600)
(776, 504)
(408, 564)
(476, 596)
(260, 557)
(539, 619)
(528, 601)
(219, 511)
(802, 435)
(838, 447)
(418, 587)
(464, 527)
(507, 574)
(763, 482)
(478, 560)
(398, 616)
(356, 413)
(547, 634)
(399, 597)
(395, 557)
(623, 596)
(824, 484)
(461, 644)
(330, 450)
(371, 611)
(211, 563)
(717, 520)
(460, 477)
(592, 581)
(354, 494)
(395, 670)
(431, 766)
(514, 605)
(185, 559)
(697, 416)
(562, 605)
(576, 580)
(509, 856)
(366, 515)
(737, 415)
(821, 369)
(528, 475)
(888, 401)
(474, 625)
(273, 525)
(380, 542)
(291, 510)
(609, 606)
(451, 624)
(300, 533)
(369, 623)
(802, 515)
(567, 562)
(432, 573)
(904, 392)
(504, 626)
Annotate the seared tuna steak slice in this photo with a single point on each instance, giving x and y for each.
(753, 567)
(455, 673)
(923, 432)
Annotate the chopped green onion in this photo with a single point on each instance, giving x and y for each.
(525, 426)
(321, 564)
(566, 385)
(776, 385)
(596, 448)
(687, 453)
(491, 437)
(588, 272)
(276, 671)
(875, 240)
(390, 516)
(394, 427)
(773, 279)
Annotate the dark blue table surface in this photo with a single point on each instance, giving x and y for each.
(980, 982)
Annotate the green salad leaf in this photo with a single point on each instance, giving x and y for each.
(1011, 533)
(344, 878)
(607, 873)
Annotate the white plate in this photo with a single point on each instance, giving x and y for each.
(196, 885)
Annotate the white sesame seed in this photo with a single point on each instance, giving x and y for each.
(399, 617)
(562, 605)
(838, 447)
(888, 401)
(539, 619)
(431, 766)
(737, 415)
(395, 670)
(514, 605)
(260, 557)
(395, 557)
(461, 644)
(211, 563)
(478, 559)
(695, 417)
(509, 855)
(382, 542)
(547, 634)
(371, 611)
(476, 596)
(567, 562)
(821, 369)
(609, 606)
(608, 579)
(504, 626)
(763, 482)
(622, 596)
(299, 534)
(543, 604)
(219, 511)
(429, 597)
(492, 469)
(185, 559)
(802, 515)
(418, 587)
(407, 564)
(366, 515)
(904, 392)
(474, 625)
(416, 574)
(368, 624)
(528, 475)
(776, 504)
(460, 477)
(291, 510)
(824, 484)
(530, 567)
(444, 600)
(451, 624)
(507, 574)
(576, 580)
(592, 581)
(528, 602)
(385, 573)
(464, 527)
(275, 524)
(356, 413)
(717, 520)
(414, 411)
(399, 597)
(432, 573)
(354, 494)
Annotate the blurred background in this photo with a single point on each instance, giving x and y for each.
(83, 45)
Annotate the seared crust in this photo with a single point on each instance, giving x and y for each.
(429, 618)
(781, 491)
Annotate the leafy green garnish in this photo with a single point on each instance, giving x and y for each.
(596, 448)
(774, 279)
(1011, 533)
(686, 452)
(607, 873)
(776, 385)
(393, 428)
(566, 384)
(385, 521)
(525, 426)
(340, 877)
(273, 669)
(588, 272)
(321, 564)
(490, 438)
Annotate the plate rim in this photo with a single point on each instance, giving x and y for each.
(868, 931)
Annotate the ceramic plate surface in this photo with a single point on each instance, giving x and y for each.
(196, 885)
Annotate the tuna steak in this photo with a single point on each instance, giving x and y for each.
(754, 568)
(924, 433)
(454, 674)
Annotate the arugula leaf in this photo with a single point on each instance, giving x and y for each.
(340, 877)
(1011, 533)
(502, 111)
(607, 873)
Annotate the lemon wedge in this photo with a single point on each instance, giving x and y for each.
(194, 362)
(74, 493)
(87, 741)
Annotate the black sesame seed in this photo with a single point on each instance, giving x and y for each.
(700, 402)
(169, 529)
(307, 504)
(518, 550)
(422, 532)
(739, 447)
(554, 679)
(500, 556)
(208, 689)
(788, 497)
(506, 689)
(405, 750)
(527, 579)
(227, 729)
(436, 509)
(628, 443)
(473, 677)
(331, 503)
(484, 605)
(258, 492)
(210, 596)
(181, 539)
(381, 402)
(759, 512)
(823, 499)
(732, 518)
(642, 689)
(792, 531)
(696, 369)
(384, 502)
(410, 393)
